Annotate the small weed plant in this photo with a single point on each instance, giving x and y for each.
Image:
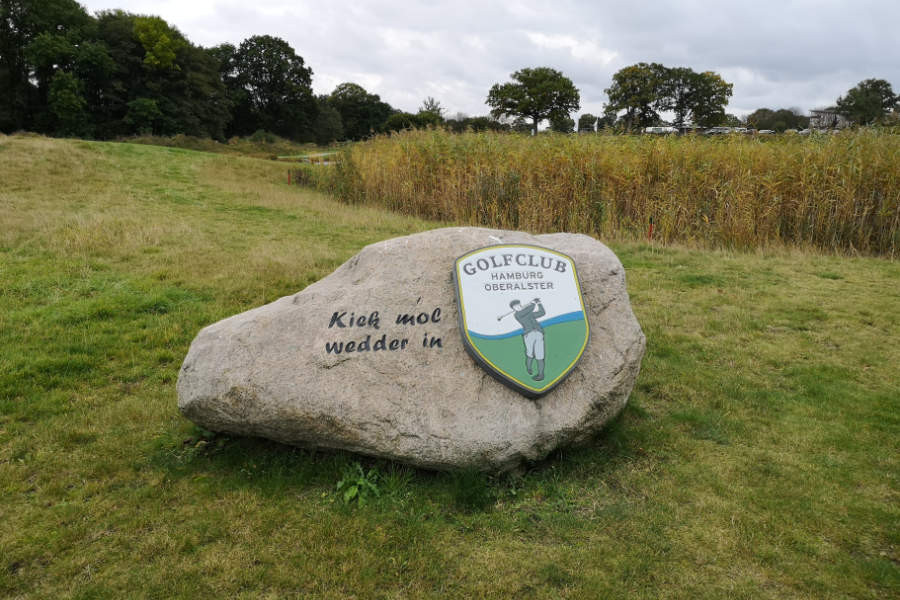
(358, 485)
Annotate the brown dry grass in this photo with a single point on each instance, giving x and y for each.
(839, 193)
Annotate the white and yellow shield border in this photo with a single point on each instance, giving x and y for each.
(487, 280)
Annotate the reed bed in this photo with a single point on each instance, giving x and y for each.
(835, 192)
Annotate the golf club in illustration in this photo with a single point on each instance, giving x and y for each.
(532, 303)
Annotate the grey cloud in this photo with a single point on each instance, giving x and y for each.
(778, 54)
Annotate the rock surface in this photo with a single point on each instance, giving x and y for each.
(268, 372)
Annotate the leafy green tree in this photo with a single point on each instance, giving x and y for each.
(241, 118)
(23, 92)
(637, 89)
(67, 105)
(277, 88)
(777, 120)
(869, 101)
(677, 92)
(432, 107)
(536, 94)
(607, 121)
(109, 90)
(327, 126)
(402, 120)
(710, 96)
(431, 113)
(561, 123)
(485, 123)
(143, 116)
(197, 97)
(160, 42)
(362, 113)
(699, 97)
(94, 66)
(644, 89)
(587, 123)
(761, 118)
(47, 53)
(462, 123)
(188, 91)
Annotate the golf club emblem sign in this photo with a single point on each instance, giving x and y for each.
(521, 314)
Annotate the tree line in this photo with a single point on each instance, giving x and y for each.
(641, 92)
(66, 72)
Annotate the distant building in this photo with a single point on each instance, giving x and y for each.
(824, 118)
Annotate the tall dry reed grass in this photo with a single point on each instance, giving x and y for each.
(836, 192)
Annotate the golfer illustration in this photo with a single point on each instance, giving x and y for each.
(532, 334)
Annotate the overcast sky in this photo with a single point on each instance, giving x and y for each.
(777, 53)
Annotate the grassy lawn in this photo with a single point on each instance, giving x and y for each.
(758, 456)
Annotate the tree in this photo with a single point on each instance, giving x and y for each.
(637, 90)
(607, 121)
(135, 63)
(94, 66)
(698, 97)
(431, 113)
(677, 92)
(709, 98)
(160, 42)
(644, 89)
(23, 92)
(761, 118)
(66, 103)
(536, 94)
(432, 107)
(24, 98)
(327, 126)
(587, 123)
(362, 113)
(276, 88)
(777, 120)
(197, 97)
(143, 116)
(561, 123)
(129, 80)
(868, 102)
(400, 121)
(462, 123)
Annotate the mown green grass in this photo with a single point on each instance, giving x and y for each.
(258, 145)
(757, 458)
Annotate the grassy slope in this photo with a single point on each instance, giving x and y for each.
(267, 146)
(758, 457)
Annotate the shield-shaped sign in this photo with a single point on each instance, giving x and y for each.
(521, 314)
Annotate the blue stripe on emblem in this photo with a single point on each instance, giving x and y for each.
(572, 316)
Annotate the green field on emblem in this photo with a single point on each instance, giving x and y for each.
(562, 342)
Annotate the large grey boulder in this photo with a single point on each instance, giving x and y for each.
(268, 372)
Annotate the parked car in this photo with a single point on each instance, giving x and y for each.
(718, 131)
(765, 132)
(660, 130)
